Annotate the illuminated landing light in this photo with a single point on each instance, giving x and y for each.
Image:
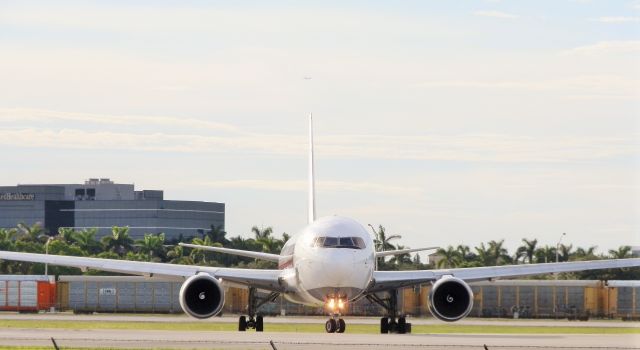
(335, 305)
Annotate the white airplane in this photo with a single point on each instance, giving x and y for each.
(329, 263)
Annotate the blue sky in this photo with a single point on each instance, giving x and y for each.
(447, 122)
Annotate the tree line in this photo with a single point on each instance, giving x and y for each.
(155, 248)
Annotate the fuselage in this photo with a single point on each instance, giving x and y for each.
(331, 258)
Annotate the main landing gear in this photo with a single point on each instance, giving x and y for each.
(391, 323)
(255, 322)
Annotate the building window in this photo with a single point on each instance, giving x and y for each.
(79, 194)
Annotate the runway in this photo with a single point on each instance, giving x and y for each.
(319, 320)
(179, 339)
(291, 341)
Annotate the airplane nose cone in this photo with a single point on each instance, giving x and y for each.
(338, 267)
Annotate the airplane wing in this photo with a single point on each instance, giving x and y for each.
(402, 251)
(264, 279)
(386, 280)
(247, 253)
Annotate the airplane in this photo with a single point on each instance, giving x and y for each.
(330, 263)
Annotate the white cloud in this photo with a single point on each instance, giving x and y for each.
(465, 147)
(324, 186)
(495, 14)
(616, 19)
(606, 47)
(594, 86)
(40, 115)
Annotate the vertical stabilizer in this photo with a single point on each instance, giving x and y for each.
(312, 181)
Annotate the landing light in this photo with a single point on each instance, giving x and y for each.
(335, 304)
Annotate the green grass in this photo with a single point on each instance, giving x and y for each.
(67, 348)
(51, 347)
(313, 328)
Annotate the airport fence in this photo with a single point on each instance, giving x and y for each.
(507, 298)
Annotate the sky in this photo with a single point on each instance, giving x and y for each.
(446, 122)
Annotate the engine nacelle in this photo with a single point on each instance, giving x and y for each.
(450, 299)
(201, 296)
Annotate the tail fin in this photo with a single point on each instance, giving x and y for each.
(312, 185)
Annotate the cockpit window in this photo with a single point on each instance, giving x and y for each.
(346, 242)
(339, 242)
(359, 242)
(330, 242)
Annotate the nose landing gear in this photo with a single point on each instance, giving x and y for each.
(335, 304)
(334, 325)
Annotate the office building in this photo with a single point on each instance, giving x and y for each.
(101, 204)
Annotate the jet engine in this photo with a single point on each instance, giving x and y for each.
(450, 299)
(201, 296)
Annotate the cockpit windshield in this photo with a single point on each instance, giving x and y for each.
(339, 242)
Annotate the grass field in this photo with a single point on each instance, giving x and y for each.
(65, 348)
(313, 328)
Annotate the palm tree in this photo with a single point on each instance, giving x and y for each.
(238, 242)
(546, 254)
(218, 235)
(499, 254)
(449, 258)
(86, 240)
(119, 242)
(465, 253)
(401, 259)
(65, 234)
(261, 233)
(484, 256)
(586, 254)
(34, 233)
(382, 241)
(200, 256)
(623, 252)
(564, 254)
(152, 246)
(7, 242)
(176, 256)
(527, 251)
(7, 238)
(269, 244)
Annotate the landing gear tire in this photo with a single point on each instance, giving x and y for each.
(392, 323)
(393, 326)
(389, 325)
(402, 325)
(342, 326)
(259, 323)
(242, 324)
(255, 321)
(384, 325)
(331, 326)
